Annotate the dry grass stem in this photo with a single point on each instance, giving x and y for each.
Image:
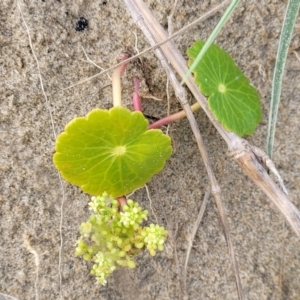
(192, 235)
(7, 297)
(297, 55)
(170, 32)
(264, 158)
(241, 150)
(147, 96)
(93, 63)
(150, 201)
(148, 24)
(170, 17)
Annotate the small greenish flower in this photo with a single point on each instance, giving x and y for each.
(132, 215)
(154, 238)
(113, 235)
(86, 228)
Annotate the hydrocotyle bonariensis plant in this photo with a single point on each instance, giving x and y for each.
(110, 153)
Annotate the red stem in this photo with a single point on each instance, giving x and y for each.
(122, 200)
(174, 117)
(122, 68)
(163, 121)
(136, 99)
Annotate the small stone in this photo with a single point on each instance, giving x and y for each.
(81, 24)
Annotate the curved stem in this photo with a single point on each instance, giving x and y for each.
(136, 99)
(171, 118)
(116, 82)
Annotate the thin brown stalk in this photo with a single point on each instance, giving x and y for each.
(170, 17)
(192, 236)
(239, 148)
(140, 13)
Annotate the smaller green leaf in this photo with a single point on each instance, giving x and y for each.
(232, 99)
(110, 150)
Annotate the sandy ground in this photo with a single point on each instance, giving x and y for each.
(31, 193)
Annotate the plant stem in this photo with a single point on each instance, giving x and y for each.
(137, 105)
(174, 117)
(241, 150)
(116, 82)
(122, 200)
(136, 99)
(143, 17)
(177, 33)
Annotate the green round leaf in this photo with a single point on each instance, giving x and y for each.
(232, 99)
(110, 150)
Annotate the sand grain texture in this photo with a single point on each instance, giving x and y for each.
(30, 191)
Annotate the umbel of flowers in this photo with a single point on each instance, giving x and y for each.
(113, 235)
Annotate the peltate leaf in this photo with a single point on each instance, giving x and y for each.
(232, 99)
(110, 150)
